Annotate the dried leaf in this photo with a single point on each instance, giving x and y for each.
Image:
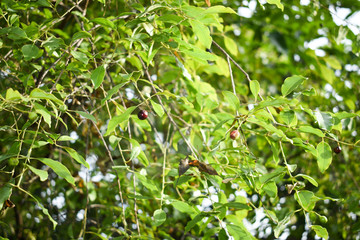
(208, 3)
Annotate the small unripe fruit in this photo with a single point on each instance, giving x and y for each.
(13, 161)
(337, 150)
(63, 108)
(32, 116)
(142, 115)
(234, 134)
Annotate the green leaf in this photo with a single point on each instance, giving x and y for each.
(255, 88)
(76, 156)
(309, 129)
(149, 184)
(343, 115)
(275, 150)
(268, 127)
(159, 217)
(136, 149)
(43, 112)
(5, 193)
(41, 173)
(58, 168)
(115, 121)
(13, 95)
(65, 138)
(277, 102)
(30, 52)
(230, 45)
(274, 174)
(80, 35)
(320, 231)
(239, 231)
(104, 22)
(237, 205)
(282, 224)
(219, 9)
(157, 108)
(17, 33)
(270, 189)
(112, 91)
(170, 18)
(97, 76)
(306, 199)
(200, 55)
(183, 207)
(310, 179)
(291, 83)
(80, 56)
(289, 117)
(202, 32)
(193, 222)
(86, 115)
(333, 62)
(324, 120)
(232, 99)
(136, 152)
(324, 156)
(277, 3)
(53, 43)
(37, 93)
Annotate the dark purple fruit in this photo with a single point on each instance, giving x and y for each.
(234, 134)
(142, 115)
(337, 150)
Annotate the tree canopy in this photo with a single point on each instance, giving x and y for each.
(179, 119)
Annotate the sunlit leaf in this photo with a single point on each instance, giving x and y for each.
(159, 217)
(59, 169)
(291, 83)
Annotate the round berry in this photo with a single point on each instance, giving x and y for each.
(234, 134)
(337, 150)
(32, 116)
(142, 115)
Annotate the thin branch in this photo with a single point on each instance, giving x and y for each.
(232, 80)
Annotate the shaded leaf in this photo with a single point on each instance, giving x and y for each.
(324, 156)
(5, 192)
(30, 52)
(194, 221)
(97, 76)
